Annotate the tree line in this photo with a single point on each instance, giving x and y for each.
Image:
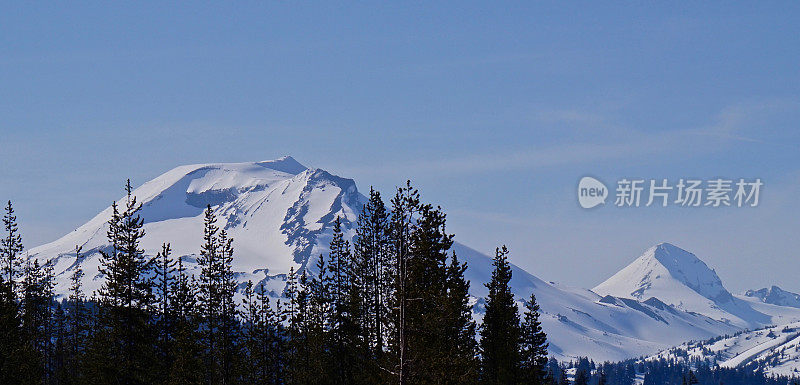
(584, 371)
(390, 306)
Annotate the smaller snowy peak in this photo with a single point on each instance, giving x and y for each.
(775, 296)
(659, 271)
(690, 270)
(667, 274)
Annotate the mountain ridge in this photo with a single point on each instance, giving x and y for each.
(280, 215)
(776, 296)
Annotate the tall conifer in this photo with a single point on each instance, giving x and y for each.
(216, 300)
(10, 248)
(500, 332)
(533, 345)
(373, 270)
(123, 349)
(77, 325)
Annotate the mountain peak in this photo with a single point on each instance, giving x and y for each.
(285, 164)
(678, 278)
(686, 267)
(671, 274)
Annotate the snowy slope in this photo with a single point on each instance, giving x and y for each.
(278, 212)
(581, 323)
(677, 277)
(280, 215)
(775, 349)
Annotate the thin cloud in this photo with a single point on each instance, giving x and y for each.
(542, 157)
(734, 121)
(731, 123)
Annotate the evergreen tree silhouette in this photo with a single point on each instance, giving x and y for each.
(500, 332)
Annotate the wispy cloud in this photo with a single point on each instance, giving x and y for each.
(736, 122)
(549, 156)
(731, 124)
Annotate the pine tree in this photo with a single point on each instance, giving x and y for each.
(372, 273)
(164, 271)
(261, 338)
(273, 339)
(110, 261)
(49, 348)
(37, 316)
(185, 349)
(294, 335)
(10, 248)
(58, 370)
(254, 368)
(182, 293)
(12, 369)
(17, 360)
(320, 338)
(360, 366)
(339, 258)
(461, 365)
(500, 331)
(290, 294)
(123, 348)
(209, 298)
(229, 326)
(251, 334)
(429, 248)
(533, 345)
(344, 326)
(126, 268)
(216, 300)
(77, 326)
(309, 363)
(164, 276)
(422, 339)
(405, 205)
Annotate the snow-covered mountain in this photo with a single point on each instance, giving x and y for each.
(776, 296)
(280, 215)
(677, 277)
(775, 349)
(580, 323)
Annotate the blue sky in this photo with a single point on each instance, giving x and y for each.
(495, 110)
